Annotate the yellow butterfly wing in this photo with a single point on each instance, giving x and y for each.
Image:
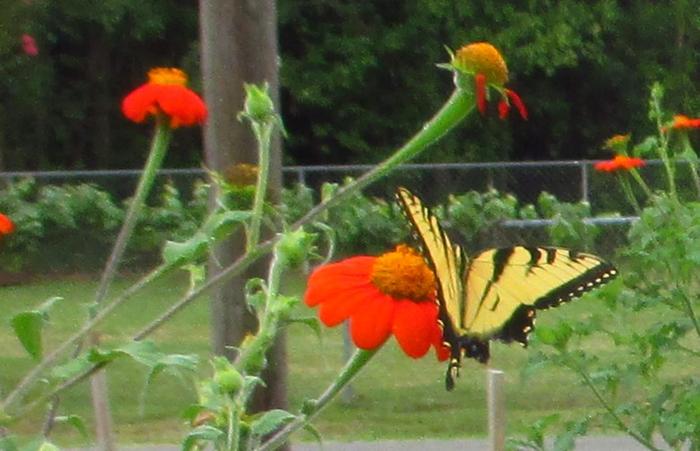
(505, 286)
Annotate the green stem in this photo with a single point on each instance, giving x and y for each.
(599, 396)
(349, 371)
(159, 147)
(457, 107)
(37, 371)
(629, 193)
(263, 134)
(269, 322)
(640, 181)
(233, 430)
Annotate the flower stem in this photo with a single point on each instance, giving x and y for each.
(349, 371)
(457, 107)
(159, 147)
(37, 371)
(263, 135)
(629, 194)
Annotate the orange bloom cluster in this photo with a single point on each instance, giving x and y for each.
(620, 162)
(681, 122)
(390, 294)
(6, 225)
(485, 62)
(165, 93)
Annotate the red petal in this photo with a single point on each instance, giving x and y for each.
(414, 326)
(518, 102)
(6, 225)
(503, 109)
(325, 281)
(480, 88)
(140, 102)
(371, 325)
(182, 105)
(345, 303)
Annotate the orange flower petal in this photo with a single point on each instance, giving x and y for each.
(6, 225)
(344, 303)
(332, 278)
(371, 326)
(414, 326)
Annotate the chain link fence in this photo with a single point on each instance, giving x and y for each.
(608, 220)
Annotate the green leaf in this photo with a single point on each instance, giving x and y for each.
(76, 421)
(27, 327)
(270, 421)
(204, 432)
(190, 250)
(48, 446)
(310, 321)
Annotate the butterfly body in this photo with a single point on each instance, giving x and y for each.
(495, 294)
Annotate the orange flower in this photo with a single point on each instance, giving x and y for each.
(165, 93)
(485, 63)
(619, 162)
(6, 225)
(390, 294)
(682, 122)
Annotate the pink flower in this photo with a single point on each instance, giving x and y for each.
(29, 45)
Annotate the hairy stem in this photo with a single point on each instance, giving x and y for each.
(349, 371)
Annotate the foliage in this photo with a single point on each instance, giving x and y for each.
(661, 264)
(59, 108)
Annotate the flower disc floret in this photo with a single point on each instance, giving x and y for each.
(403, 274)
(482, 58)
(378, 301)
(167, 94)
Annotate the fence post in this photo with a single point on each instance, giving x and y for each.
(584, 181)
(497, 409)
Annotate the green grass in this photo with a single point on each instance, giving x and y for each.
(395, 397)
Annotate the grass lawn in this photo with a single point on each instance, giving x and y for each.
(395, 397)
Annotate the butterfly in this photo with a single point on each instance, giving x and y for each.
(494, 295)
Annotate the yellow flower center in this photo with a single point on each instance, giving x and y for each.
(241, 174)
(167, 76)
(482, 58)
(402, 274)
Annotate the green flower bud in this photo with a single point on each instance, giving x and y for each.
(294, 247)
(229, 381)
(258, 104)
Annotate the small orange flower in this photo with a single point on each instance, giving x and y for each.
(617, 141)
(485, 63)
(390, 294)
(6, 225)
(682, 122)
(620, 162)
(165, 93)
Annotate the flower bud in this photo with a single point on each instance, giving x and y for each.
(258, 104)
(229, 380)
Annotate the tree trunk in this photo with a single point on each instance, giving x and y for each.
(239, 45)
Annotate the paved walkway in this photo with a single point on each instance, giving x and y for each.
(582, 444)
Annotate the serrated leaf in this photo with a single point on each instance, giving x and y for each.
(204, 432)
(76, 421)
(270, 421)
(175, 252)
(27, 327)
